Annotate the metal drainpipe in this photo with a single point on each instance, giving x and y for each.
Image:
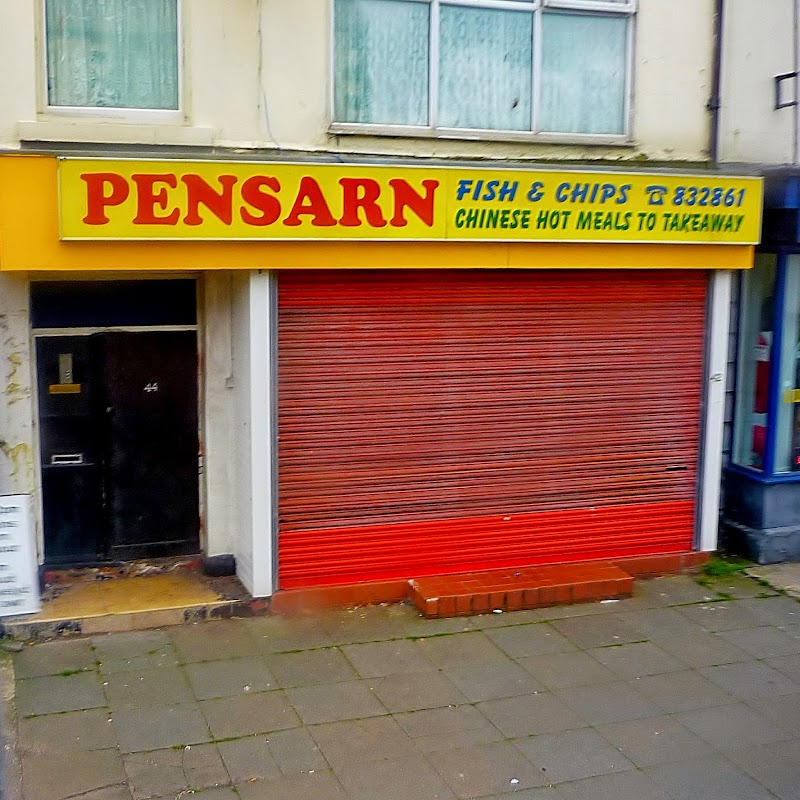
(715, 101)
(796, 68)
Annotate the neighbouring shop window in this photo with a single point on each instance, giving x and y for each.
(479, 64)
(112, 54)
(787, 422)
(754, 362)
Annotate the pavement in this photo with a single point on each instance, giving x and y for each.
(687, 691)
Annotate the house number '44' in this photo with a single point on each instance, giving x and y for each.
(151, 387)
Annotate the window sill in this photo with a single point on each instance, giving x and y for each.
(471, 135)
(115, 133)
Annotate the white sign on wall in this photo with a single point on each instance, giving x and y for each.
(19, 586)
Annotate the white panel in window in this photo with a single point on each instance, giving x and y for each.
(485, 68)
(112, 53)
(381, 62)
(584, 61)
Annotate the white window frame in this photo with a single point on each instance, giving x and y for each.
(152, 115)
(623, 8)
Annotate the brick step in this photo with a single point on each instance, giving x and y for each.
(516, 589)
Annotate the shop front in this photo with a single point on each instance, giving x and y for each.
(366, 373)
(762, 482)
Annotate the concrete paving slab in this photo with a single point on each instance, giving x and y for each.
(561, 670)
(249, 714)
(409, 778)
(710, 778)
(774, 610)
(438, 729)
(726, 616)
(765, 642)
(249, 759)
(55, 693)
(487, 769)
(211, 641)
(296, 751)
(785, 577)
(333, 702)
(573, 755)
(788, 665)
(310, 786)
(133, 651)
(732, 726)
(211, 679)
(287, 634)
(503, 679)
(655, 740)
(53, 658)
(310, 667)
(660, 623)
(530, 640)
(463, 649)
(57, 776)
(378, 659)
(673, 590)
(526, 716)
(156, 728)
(775, 766)
(703, 649)
(175, 771)
(608, 702)
(619, 786)
(636, 659)
(738, 585)
(414, 692)
(150, 687)
(750, 679)
(681, 691)
(70, 732)
(585, 632)
(783, 710)
(350, 741)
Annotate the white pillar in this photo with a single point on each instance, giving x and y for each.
(219, 469)
(18, 450)
(254, 437)
(714, 412)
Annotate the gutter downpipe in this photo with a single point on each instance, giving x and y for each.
(715, 101)
(796, 69)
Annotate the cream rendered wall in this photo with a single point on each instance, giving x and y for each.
(18, 452)
(17, 67)
(758, 44)
(257, 75)
(672, 71)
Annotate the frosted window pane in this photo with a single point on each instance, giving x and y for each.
(381, 62)
(485, 69)
(583, 73)
(112, 53)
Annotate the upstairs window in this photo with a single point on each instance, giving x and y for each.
(112, 54)
(535, 66)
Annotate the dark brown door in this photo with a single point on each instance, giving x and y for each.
(150, 387)
(119, 446)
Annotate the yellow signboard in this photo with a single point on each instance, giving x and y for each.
(190, 200)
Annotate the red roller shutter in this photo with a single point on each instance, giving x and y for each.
(434, 422)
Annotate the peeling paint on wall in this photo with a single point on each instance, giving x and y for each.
(20, 457)
(15, 390)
